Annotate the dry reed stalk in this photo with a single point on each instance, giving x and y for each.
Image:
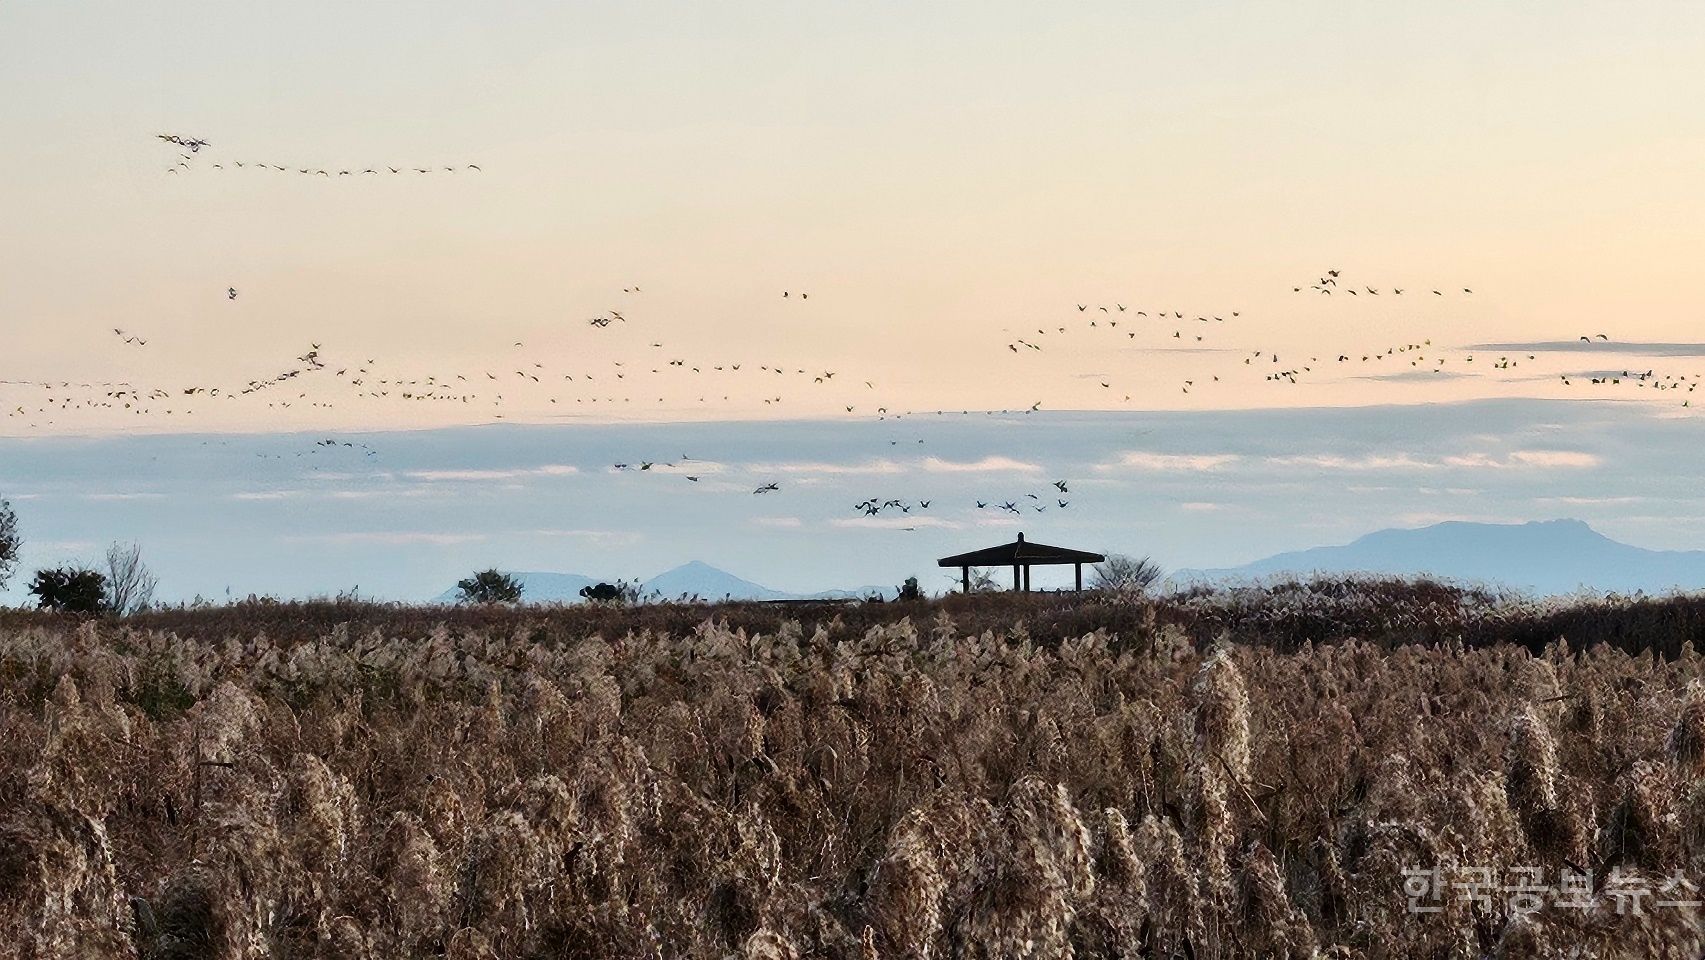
(1175, 912)
(414, 886)
(638, 786)
(1272, 925)
(925, 864)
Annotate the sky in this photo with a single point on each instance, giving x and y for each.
(404, 514)
(1125, 209)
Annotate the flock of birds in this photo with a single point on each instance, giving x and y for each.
(1038, 502)
(868, 507)
(1329, 283)
(186, 162)
(540, 375)
(877, 506)
(1180, 331)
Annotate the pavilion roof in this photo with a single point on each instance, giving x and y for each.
(1020, 552)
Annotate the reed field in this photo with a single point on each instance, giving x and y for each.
(1342, 768)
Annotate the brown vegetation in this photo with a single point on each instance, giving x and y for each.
(981, 777)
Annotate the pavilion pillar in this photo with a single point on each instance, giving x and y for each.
(1078, 568)
(965, 579)
(1017, 583)
(1027, 578)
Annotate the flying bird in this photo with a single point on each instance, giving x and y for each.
(193, 145)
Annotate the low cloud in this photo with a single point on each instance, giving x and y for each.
(337, 475)
(548, 470)
(1332, 461)
(1171, 462)
(985, 465)
(869, 467)
(1408, 376)
(1518, 459)
(696, 468)
(1645, 348)
(1569, 459)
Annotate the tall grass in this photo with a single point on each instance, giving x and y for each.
(1033, 778)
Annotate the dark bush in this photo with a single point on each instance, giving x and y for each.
(70, 590)
(489, 586)
(621, 592)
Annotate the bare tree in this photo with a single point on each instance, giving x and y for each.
(1125, 575)
(130, 586)
(11, 543)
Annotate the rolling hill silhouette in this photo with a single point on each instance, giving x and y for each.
(1544, 557)
(694, 579)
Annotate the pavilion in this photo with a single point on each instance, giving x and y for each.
(1020, 555)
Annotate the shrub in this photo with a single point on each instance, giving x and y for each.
(70, 590)
(1127, 575)
(489, 586)
(982, 581)
(620, 592)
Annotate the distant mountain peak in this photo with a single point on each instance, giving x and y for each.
(697, 566)
(699, 579)
(1557, 556)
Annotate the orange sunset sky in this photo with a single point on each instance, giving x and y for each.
(943, 180)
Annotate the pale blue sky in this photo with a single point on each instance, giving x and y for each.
(1203, 489)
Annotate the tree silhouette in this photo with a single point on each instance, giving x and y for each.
(1125, 575)
(71, 590)
(489, 586)
(130, 585)
(617, 593)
